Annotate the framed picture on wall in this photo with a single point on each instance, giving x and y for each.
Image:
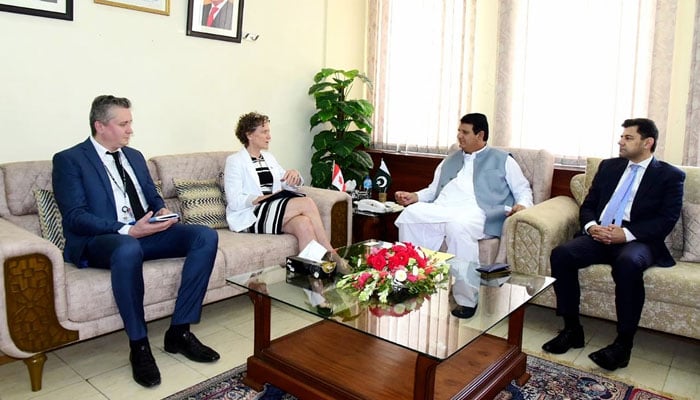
(215, 19)
(60, 9)
(153, 6)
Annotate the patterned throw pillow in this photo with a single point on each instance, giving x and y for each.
(202, 202)
(159, 188)
(691, 232)
(49, 217)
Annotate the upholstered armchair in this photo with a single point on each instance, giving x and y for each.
(671, 293)
(538, 168)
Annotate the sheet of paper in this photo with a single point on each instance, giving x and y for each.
(439, 256)
(313, 251)
(314, 298)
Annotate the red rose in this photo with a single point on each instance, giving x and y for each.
(399, 259)
(377, 260)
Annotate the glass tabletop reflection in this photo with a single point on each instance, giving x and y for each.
(422, 323)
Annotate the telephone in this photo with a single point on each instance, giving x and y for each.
(378, 207)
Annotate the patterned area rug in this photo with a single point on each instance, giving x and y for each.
(548, 381)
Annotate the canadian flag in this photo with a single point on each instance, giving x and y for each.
(337, 179)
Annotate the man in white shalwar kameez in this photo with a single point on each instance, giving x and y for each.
(471, 194)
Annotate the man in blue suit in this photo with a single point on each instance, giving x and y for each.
(624, 223)
(106, 198)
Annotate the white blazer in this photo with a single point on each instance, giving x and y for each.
(242, 187)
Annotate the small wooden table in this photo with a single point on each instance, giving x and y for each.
(367, 225)
(423, 354)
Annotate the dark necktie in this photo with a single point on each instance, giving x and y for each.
(129, 186)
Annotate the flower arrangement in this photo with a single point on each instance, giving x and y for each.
(393, 274)
(397, 309)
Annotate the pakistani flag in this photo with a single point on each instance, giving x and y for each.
(383, 178)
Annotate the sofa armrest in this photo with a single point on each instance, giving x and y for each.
(533, 233)
(336, 213)
(33, 293)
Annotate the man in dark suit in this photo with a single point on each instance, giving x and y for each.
(218, 14)
(106, 198)
(629, 237)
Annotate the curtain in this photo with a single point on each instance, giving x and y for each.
(691, 155)
(569, 73)
(421, 64)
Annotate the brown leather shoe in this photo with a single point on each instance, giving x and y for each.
(566, 339)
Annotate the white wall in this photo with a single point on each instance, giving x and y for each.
(187, 92)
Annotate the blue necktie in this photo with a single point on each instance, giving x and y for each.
(618, 202)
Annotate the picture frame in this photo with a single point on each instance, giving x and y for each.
(226, 24)
(161, 7)
(58, 9)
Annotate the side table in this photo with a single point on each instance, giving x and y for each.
(368, 225)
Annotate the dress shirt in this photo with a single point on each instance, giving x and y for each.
(120, 198)
(628, 207)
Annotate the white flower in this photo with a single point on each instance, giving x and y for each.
(399, 308)
(400, 275)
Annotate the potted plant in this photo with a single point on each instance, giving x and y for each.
(346, 127)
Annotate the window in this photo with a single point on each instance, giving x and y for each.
(568, 73)
(422, 61)
(577, 70)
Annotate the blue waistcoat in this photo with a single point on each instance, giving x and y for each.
(490, 186)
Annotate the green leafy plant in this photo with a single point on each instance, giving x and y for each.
(347, 127)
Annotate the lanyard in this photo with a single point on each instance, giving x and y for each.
(126, 210)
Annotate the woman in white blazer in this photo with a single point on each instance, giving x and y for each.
(253, 175)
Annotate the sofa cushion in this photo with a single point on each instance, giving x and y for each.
(20, 179)
(90, 297)
(159, 187)
(202, 202)
(49, 217)
(193, 166)
(691, 232)
(592, 164)
(245, 252)
(675, 240)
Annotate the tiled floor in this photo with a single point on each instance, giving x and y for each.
(99, 368)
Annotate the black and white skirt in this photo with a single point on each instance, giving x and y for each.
(270, 217)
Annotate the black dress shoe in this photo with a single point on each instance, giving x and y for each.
(324, 310)
(612, 357)
(464, 311)
(187, 344)
(143, 366)
(566, 339)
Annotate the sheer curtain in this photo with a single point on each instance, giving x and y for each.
(691, 154)
(420, 57)
(569, 72)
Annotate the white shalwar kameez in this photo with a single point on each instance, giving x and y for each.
(455, 217)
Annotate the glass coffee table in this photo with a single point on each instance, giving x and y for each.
(410, 350)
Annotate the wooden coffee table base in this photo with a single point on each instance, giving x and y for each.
(329, 361)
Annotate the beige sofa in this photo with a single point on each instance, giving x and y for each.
(46, 303)
(671, 293)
